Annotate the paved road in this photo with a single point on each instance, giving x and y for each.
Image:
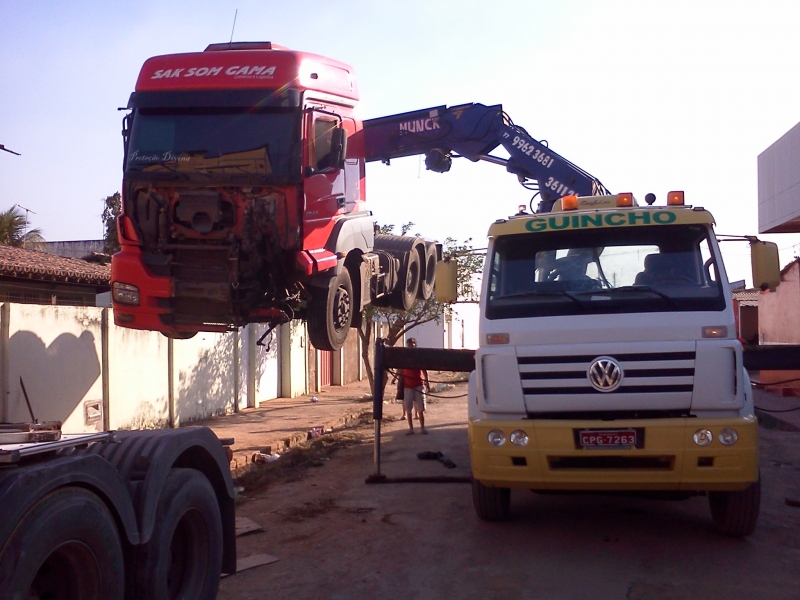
(339, 538)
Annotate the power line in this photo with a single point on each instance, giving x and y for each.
(10, 151)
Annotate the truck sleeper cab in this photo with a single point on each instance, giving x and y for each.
(608, 362)
(244, 199)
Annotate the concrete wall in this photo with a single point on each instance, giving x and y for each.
(75, 249)
(59, 361)
(266, 362)
(779, 311)
(138, 375)
(779, 185)
(82, 370)
(461, 331)
(204, 376)
(351, 358)
(294, 359)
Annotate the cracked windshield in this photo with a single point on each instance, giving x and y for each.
(639, 269)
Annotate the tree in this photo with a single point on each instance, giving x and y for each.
(400, 322)
(14, 230)
(112, 206)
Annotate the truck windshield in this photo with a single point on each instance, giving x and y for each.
(610, 270)
(229, 141)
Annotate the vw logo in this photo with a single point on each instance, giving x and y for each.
(605, 374)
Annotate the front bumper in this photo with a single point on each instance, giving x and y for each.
(128, 267)
(668, 459)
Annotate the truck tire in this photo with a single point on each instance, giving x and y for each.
(330, 312)
(67, 547)
(428, 278)
(408, 281)
(736, 513)
(179, 335)
(183, 558)
(491, 503)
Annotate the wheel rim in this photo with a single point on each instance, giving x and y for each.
(189, 551)
(70, 572)
(412, 279)
(341, 315)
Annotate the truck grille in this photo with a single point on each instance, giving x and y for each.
(643, 373)
(651, 383)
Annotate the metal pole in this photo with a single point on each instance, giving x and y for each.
(105, 334)
(251, 365)
(171, 383)
(236, 370)
(5, 315)
(377, 406)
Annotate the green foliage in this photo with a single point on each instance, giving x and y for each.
(112, 206)
(389, 229)
(14, 230)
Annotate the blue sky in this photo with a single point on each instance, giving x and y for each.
(647, 96)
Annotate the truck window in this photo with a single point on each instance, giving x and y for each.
(323, 131)
(636, 269)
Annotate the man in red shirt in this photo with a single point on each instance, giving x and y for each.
(413, 396)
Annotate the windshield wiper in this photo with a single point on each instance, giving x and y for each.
(218, 167)
(644, 288)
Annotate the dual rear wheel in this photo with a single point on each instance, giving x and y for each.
(68, 547)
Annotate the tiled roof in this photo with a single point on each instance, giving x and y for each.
(31, 264)
(746, 297)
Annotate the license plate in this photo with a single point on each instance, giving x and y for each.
(607, 438)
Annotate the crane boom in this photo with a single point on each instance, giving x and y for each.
(473, 131)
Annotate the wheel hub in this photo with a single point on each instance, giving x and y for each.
(342, 308)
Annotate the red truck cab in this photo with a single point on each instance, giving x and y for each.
(243, 194)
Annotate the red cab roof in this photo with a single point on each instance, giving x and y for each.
(247, 65)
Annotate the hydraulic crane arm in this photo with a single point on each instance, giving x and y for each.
(473, 131)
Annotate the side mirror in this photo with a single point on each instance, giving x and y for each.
(765, 263)
(446, 284)
(338, 147)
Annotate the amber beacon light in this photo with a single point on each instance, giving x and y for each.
(675, 199)
(569, 203)
(625, 199)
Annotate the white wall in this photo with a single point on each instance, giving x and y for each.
(294, 359)
(778, 185)
(203, 372)
(267, 362)
(465, 331)
(458, 333)
(138, 378)
(58, 351)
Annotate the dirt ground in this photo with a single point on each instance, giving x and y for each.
(337, 537)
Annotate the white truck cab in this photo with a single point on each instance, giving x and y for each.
(608, 360)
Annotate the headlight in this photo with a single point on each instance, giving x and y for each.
(518, 438)
(125, 293)
(703, 437)
(728, 437)
(496, 437)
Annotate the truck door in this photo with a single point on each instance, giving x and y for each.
(323, 181)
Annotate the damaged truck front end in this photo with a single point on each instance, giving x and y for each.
(211, 212)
